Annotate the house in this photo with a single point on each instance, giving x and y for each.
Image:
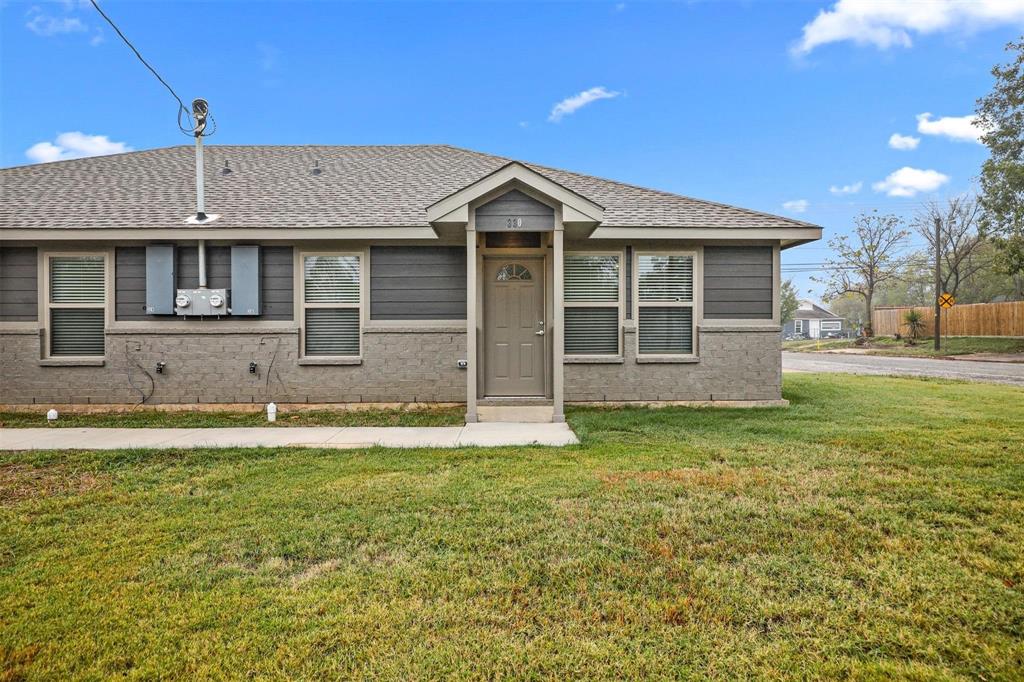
(811, 321)
(352, 274)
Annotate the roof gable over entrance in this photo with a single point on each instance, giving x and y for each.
(454, 208)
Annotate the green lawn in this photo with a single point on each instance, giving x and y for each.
(887, 345)
(874, 529)
(148, 417)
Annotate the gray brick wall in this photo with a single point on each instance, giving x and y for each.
(735, 364)
(398, 366)
(213, 367)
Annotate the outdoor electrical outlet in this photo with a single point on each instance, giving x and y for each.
(160, 367)
(252, 368)
(462, 364)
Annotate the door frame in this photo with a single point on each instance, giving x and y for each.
(542, 258)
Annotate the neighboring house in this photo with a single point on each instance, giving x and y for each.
(351, 274)
(811, 321)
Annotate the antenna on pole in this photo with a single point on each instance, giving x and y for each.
(200, 109)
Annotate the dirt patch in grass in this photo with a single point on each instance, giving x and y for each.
(23, 482)
(719, 478)
(315, 571)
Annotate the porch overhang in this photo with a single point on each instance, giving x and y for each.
(787, 236)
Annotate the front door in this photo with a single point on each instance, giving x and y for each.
(514, 327)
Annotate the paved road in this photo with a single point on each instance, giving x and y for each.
(996, 372)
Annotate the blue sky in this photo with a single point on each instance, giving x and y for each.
(761, 104)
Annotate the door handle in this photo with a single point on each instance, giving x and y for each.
(540, 333)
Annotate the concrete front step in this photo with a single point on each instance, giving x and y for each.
(533, 414)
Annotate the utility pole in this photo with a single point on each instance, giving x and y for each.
(938, 279)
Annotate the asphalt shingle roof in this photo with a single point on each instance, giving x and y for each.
(273, 186)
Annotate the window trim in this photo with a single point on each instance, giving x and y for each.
(620, 254)
(695, 304)
(830, 328)
(301, 304)
(798, 326)
(46, 306)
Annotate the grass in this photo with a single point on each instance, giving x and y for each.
(145, 417)
(874, 529)
(887, 345)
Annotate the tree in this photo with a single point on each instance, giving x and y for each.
(873, 259)
(912, 284)
(849, 307)
(1001, 118)
(959, 240)
(789, 301)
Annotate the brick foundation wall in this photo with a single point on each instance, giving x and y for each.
(397, 366)
(736, 363)
(403, 365)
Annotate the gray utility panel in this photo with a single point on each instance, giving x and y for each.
(245, 280)
(160, 279)
(202, 302)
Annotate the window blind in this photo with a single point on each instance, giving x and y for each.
(592, 278)
(331, 279)
(77, 279)
(591, 316)
(666, 330)
(331, 298)
(591, 331)
(76, 331)
(665, 278)
(332, 331)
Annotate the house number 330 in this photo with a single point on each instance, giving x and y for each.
(514, 223)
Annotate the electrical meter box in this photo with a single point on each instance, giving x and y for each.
(160, 279)
(245, 281)
(201, 303)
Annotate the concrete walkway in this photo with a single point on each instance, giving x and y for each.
(484, 434)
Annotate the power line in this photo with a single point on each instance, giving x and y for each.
(181, 104)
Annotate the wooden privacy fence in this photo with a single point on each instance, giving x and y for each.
(973, 319)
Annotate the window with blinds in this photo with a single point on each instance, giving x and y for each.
(592, 324)
(665, 324)
(76, 305)
(332, 304)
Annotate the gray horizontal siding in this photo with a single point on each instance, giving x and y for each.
(417, 283)
(276, 281)
(19, 284)
(738, 282)
(493, 216)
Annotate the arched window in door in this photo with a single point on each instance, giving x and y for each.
(511, 272)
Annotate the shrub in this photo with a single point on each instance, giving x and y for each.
(915, 324)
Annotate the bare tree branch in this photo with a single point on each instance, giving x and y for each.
(873, 258)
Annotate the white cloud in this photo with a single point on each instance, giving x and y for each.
(846, 189)
(959, 128)
(74, 145)
(47, 26)
(904, 142)
(62, 22)
(570, 105)
(890, 23)
(907, 182)
(796, 205)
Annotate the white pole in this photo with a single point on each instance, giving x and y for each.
(200, 195)
(202, 263)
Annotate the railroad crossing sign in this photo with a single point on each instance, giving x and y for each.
(947, 301)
